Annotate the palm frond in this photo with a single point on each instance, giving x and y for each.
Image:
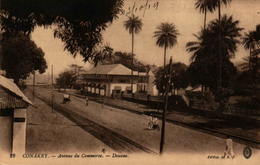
(206, 5)
(133, 24)
(166, 35)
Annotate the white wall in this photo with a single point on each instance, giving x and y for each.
(19, 132)
(6, 125)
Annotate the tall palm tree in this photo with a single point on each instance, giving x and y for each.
(244, 66)
(166, 37)
(250, 43)
(204, 6)
(134, 26)
(225, 2)
(197, 48)
(229, 36)
(219, 3)
(203, 50)
(198, 52)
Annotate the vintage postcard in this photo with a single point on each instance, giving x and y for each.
(129, 82)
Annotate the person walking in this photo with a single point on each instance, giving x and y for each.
(86, 100)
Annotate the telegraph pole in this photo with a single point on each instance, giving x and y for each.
(52, 92)
(168, 82)
(33, 84)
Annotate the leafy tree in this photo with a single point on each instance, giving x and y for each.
(102, 55)
(21, 57)
(66, 79)
(79, 23)
(178, 77)
(134, 26)
(125, 59)
(76, 70)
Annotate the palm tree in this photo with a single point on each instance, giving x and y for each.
(211, 5)
(219, 2)
(204, 6)
(229, 36)
(203, 50)
(225, 2)
(196, 48)
(166, 37)
(198, 51)
(244, 66)
(133, 25)
(250, 43)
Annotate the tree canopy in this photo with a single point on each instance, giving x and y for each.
(21, 57)
(166, 35)
(133, 24)
(69, 77)
(77, 23)
(106, 56)
(66, 79)
(178, 80)
(205, 59)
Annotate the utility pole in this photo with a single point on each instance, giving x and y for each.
(33, 84)
(165, 105)
(1, 55)
(52, 94)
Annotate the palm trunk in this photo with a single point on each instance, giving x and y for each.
(205, 22)
(1, 54)
(164, 110)
(219, 48)
(132, 79)
(33, 84)
(205, 19)
(219, 10)
(250, 59)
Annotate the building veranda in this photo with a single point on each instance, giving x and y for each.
(116, 79)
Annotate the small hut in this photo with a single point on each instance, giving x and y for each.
(13, 105)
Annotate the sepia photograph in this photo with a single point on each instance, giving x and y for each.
(129, 82)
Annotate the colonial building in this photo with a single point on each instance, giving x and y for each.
(112, 79)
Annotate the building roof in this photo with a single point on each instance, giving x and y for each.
(12, 87)
(113, 69)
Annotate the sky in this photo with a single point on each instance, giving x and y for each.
(181, 13)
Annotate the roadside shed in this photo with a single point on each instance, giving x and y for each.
(13, 105)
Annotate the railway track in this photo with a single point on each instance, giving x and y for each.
(115, 141)
(202, 128)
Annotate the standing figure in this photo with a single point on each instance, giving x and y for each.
(66, 98)
(86, 100)
(229, 152)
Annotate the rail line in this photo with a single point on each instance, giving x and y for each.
(114, 140)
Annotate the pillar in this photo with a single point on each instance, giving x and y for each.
(108, 93)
